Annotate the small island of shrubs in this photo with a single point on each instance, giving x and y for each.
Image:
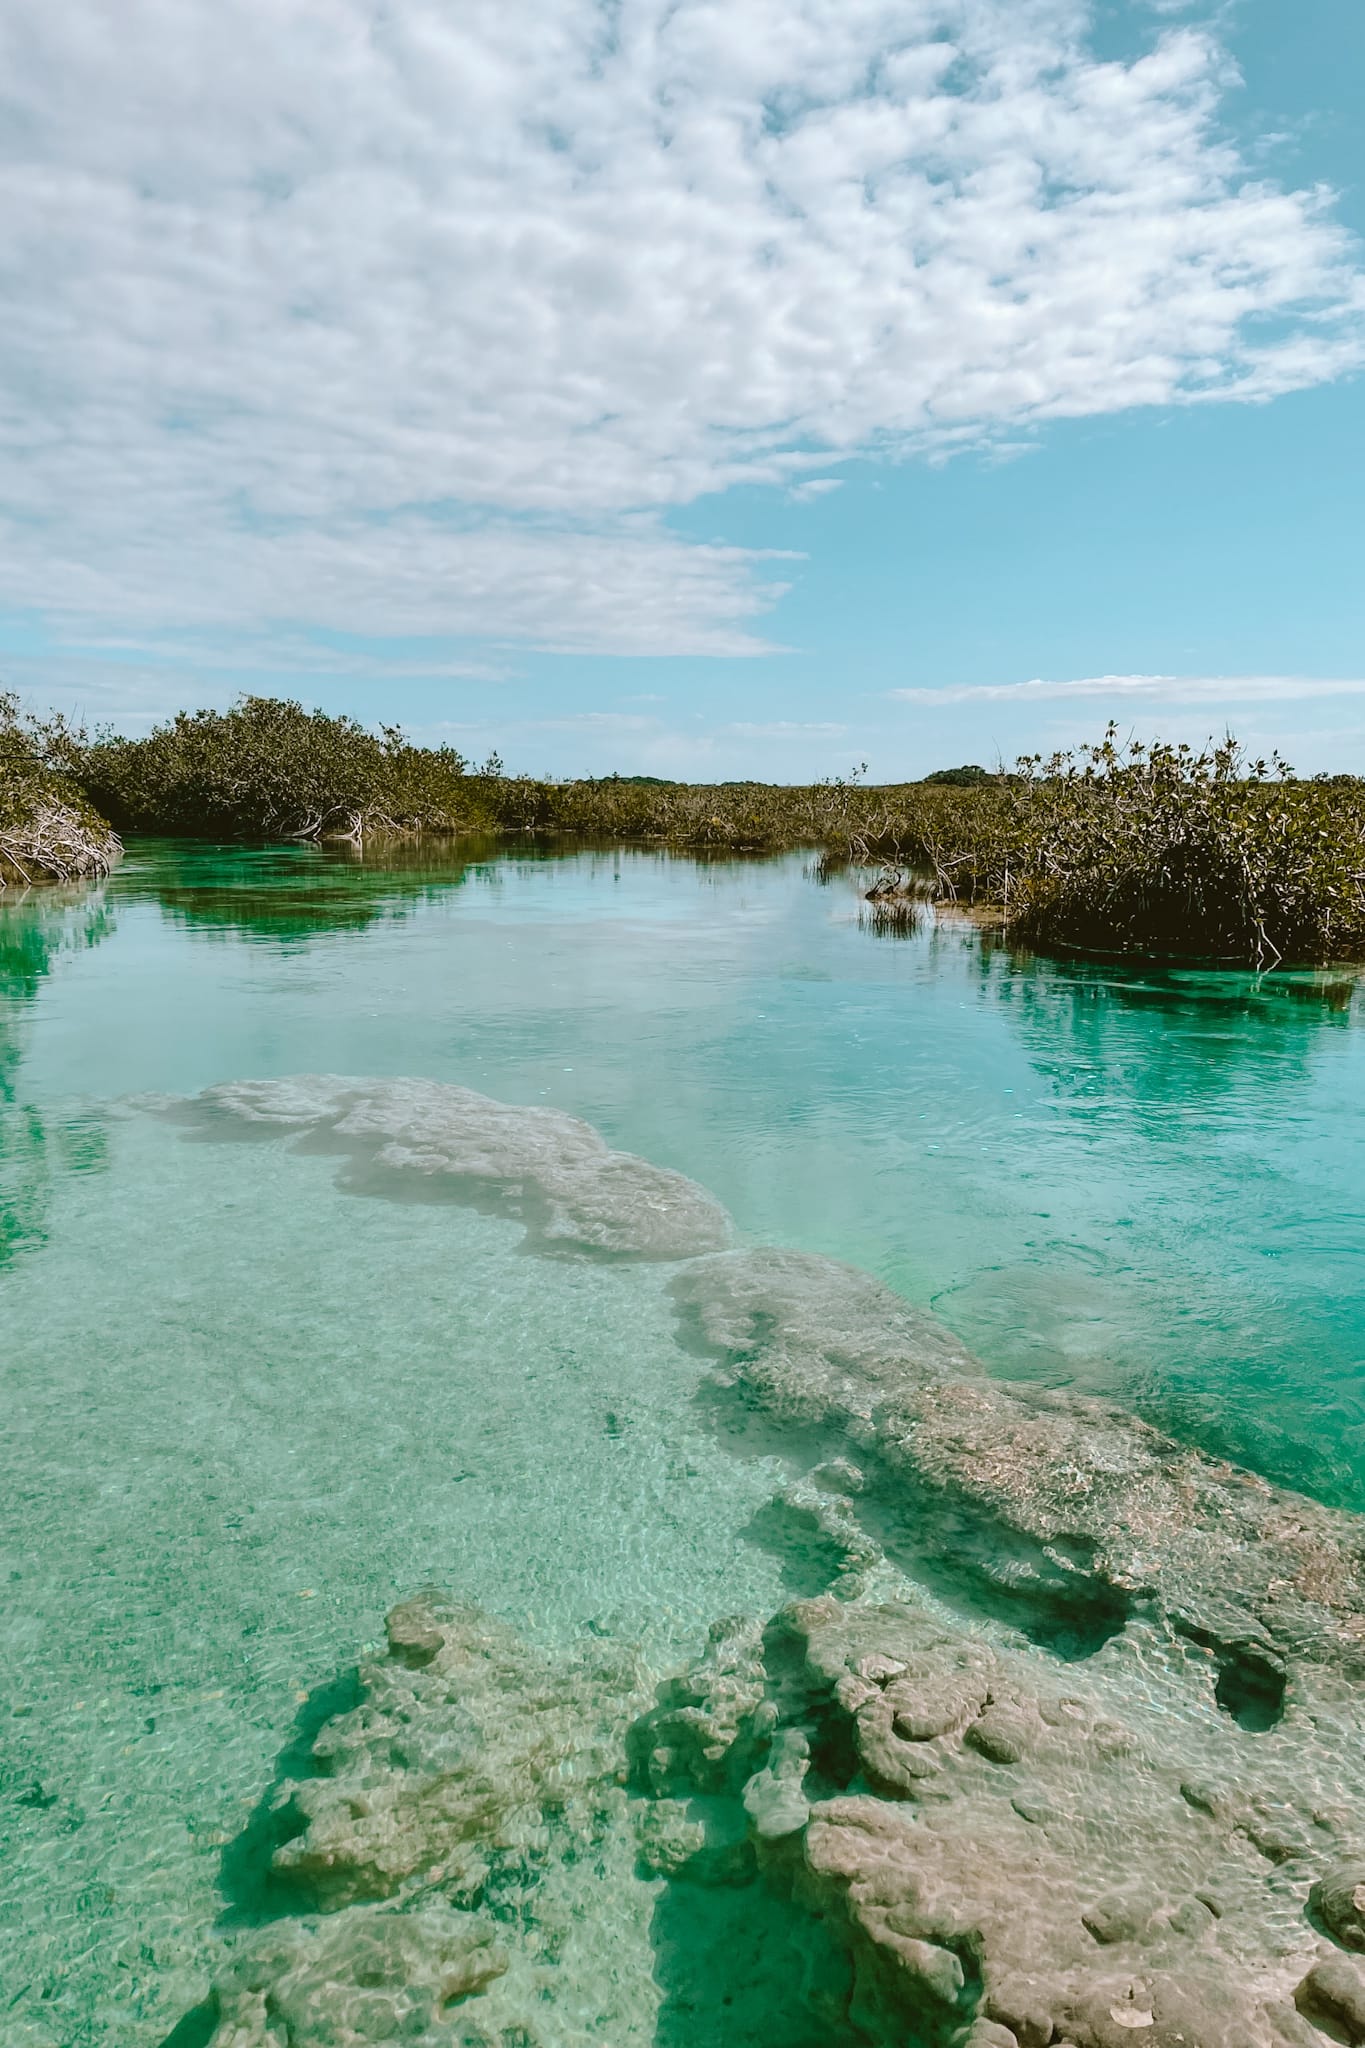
(49, 829)
(1117, 848)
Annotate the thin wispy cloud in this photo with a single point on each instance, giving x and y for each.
(786, 728)
(814, 487)
(1175, 690)
(419, 320)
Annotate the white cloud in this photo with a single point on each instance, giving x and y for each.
(1177, 690)
(415, 320)
(786, 728)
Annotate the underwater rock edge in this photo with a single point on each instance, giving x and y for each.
(414, 1138)
(966, 1847)
(1069, 1751)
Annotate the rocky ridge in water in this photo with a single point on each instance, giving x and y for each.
(1094, 1776)
(414, 1138)
(1066, 1750)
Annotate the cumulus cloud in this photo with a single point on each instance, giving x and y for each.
(1176, 690)
(418, 319)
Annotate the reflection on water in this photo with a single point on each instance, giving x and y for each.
(37, 927)
(1148, 1182)
(1212, 1032)
(246, 1410)
(293, 893)
(1209, 1271)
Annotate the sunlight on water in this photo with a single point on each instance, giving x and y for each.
(248, 1405)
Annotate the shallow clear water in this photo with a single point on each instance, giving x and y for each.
(244, 1409)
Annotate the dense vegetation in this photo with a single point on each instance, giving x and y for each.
(1109, 849)
(268, 769)
(968, 777)
(1152, 850)
(741, 817)
(48, 828)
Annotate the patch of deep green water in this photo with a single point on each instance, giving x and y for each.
(245, 1409)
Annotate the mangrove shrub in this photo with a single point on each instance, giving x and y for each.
(1112, 848)
(1165, 849)
(268, 769)
(49, 830)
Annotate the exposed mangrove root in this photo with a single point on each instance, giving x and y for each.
(56, 843)
(1146, 850)
(48, 830)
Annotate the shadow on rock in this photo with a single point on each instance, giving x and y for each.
(741, 1968)
(252, 1893)
(196, 2029)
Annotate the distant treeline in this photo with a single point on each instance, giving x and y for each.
(1114, 848)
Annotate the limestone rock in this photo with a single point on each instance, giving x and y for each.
(810, 1339)
(1338, 1898)
(1082, 1922)
(1074, 1893)
(552, 1171)
(1072, 1759)
(469, 1751)
(1062, 1509)
(1334, 1991)
(775, 1797)
(698, 1841)
(377, 1976)
(475, 1776)
(708, 1731)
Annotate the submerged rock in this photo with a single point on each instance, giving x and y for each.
(1334, 1992)
(472, 1775)
(1068, 1754)
(478, 1819)
(458, 1759)
(553, 1172)
(1061, 1509)
(1338, 1898)
(380, 1976)
(1080, 1919)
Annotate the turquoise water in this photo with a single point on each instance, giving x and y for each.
(246, 1406)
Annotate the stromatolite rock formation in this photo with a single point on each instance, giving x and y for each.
(551, 1171)
(1069, 1751)
(470, 1777)
(1062, 1511)
(1007, 1849)
(377, 1976)
(946, 1837)
(467, 1752)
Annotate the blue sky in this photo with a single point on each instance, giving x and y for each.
(687, 390)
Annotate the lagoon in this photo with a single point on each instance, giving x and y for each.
(248, 1406)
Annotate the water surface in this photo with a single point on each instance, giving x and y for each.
(245, 1409)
